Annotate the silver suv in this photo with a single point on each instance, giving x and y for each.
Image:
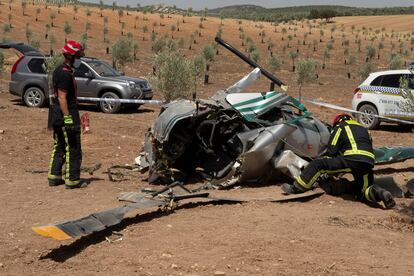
(94, 78)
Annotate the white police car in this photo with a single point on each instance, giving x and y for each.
(380, 94)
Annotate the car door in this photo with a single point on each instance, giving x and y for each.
(391, 99)
(85, 81)
(22, 48)
(410, 113)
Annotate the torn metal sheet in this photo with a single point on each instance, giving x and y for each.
(244, 82)
(289, 163)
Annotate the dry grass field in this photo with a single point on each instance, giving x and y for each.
(327, 235)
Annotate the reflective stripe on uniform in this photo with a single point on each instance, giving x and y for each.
(317, 175)
(336, 137)
(65, 134)
(366, 182)
(359, 152)
(352, 122)
(354, 147)
(71, 183)
(366, 193)
(52, 158)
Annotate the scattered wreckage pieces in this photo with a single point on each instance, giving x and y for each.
(164, 199)
(117, 173)
(90, 170)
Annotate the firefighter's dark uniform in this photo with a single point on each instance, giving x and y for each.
(67, 141)
(349, 150)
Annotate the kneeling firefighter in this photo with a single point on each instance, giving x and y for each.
(65, 121)
(349, 151)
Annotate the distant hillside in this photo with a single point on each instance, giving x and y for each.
(253, 12)
(238, 9)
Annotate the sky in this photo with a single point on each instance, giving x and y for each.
(265, 3)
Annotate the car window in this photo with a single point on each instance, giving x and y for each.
(81, 71)
(36, 65)
(102, 68)
(391, 80)
(377, 81)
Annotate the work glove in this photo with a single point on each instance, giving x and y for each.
(68, 122)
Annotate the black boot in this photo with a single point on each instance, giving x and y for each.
(55, 182)
(380, 194)
(76, 184)
(290, 189)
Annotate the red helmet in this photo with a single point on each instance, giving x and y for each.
(340, 117)
(72, 48)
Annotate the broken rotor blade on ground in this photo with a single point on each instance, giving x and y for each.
(94, 222)
(102, 220)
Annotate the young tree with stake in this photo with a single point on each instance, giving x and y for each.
(306, 73)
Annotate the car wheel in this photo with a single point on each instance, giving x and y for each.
(34, 97)
(368, 121)
(110, 107)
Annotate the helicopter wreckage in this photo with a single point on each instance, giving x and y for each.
(230, 139)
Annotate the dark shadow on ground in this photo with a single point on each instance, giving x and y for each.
(393, 170)
(396, 128)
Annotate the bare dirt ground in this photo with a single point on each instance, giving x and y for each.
(326, 235)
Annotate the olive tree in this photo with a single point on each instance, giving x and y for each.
(174, 77)
(274, 63)
(159, 44)
(37, 14)
(365, 70)
(293, 56)
(305, 73)
(52, 17)
(122, 52)
(24, 6)
(198, 67)
(208, 53)
(35, 43)
(6, 29)
(52, 42)
(371, 52)
(255, 55)
(67, 28)
(395, 62)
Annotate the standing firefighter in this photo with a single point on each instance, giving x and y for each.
(65, 121)
(349, 150)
